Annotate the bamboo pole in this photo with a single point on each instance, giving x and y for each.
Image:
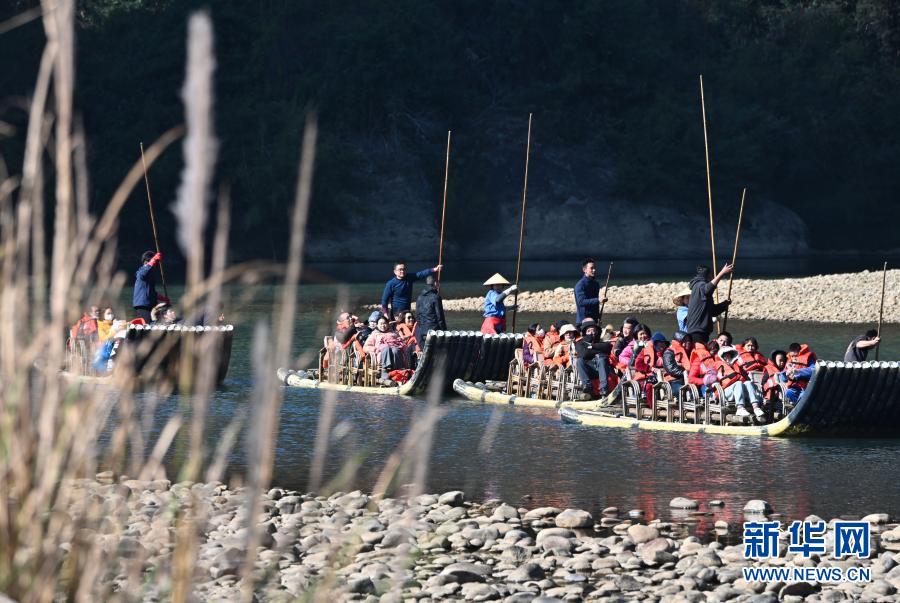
(605, 291)
(881, 310)
(443, 211)
(737, 239)
(522, 225)
(162, 275)
(712, 228)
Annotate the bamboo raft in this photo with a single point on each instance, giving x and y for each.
(842, 399)
(446, 355)
(157, 355)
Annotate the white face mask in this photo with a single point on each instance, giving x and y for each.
(540, 333)
(108, 316)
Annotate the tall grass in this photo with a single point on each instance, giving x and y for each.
(56, 542)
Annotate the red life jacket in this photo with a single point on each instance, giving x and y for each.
(801, 360)
(752, 361)
(533, 345)
(681, 357)
(729, 374)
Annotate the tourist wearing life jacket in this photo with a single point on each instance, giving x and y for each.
(397, 295)
(681, 308)
(799, 369)
(145, 297)
(735, 382)
(703, 369)
(630, 352)
(551, 338)
(648, 360)
(406, 328)
(388, 348)
(858, 350)
(592, 361)
(749, 357)
(701, 307)
(429, 311)
(494, 308)
(86, 328)
(533, 344)
(587, 293)
(774, 367)
(564, 351)
(677, 360)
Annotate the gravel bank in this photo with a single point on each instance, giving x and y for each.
(827, 298)
(437, 547)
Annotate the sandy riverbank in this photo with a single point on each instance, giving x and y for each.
(828, 298)
(432, 548)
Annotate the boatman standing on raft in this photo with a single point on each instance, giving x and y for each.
(397, 296)
(587, 294)
(145, 296)
(494, 308)
(701, 307)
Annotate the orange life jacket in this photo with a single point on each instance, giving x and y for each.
(752, 361)
(535, 344)
(561, 356)
(801, 360)
(681, 357)
(645, 359)
(729, 374)
(551, 339)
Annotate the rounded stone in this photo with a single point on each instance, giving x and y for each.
(680, 502)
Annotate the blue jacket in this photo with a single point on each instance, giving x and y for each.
(493, 305)
(397, 295)
(680, 316)
(144, 288)
(587, 299)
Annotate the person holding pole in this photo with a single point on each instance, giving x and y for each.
(494, 308)
(587, 294)
(858, 350)
(145, 296)
(701, 307)
(397, 295)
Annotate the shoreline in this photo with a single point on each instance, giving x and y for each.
(436, 546)
(831, 298)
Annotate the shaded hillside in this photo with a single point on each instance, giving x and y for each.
(803, 101)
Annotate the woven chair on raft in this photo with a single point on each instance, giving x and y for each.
(344, 366)
(518, 377)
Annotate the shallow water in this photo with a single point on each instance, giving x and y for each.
(529, 456)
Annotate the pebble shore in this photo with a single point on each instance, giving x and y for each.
(436, 547)
(827, 298)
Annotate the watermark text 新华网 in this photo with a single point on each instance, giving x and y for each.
(806, 538)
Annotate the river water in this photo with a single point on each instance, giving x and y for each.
(529, 457)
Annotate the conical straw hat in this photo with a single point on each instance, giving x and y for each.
(497, 279)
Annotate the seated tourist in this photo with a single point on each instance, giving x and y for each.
(724, 339)
(677, 360)
(649, 360)
(631, 350)
(86, 327)
(533, 344)
(163, 314)
(104, 325)
(389, 349)
(551, 339)
(345, 332)
(406, 328)
(562, 353)
(625, 336)
(798, 370)
(362, 329)
(736, 383)
(592, 360)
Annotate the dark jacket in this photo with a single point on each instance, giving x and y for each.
(622, 342)
(430, 312)
(588, 350)
(855, 354)
(144, 288)
(587, 299)
(671, 365)
(397, 295)
(701, 307)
